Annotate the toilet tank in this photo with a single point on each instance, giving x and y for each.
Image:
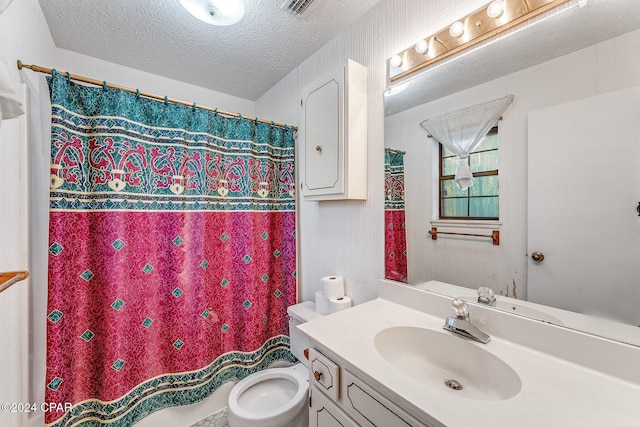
(298, 314)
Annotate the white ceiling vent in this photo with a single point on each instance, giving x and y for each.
(296, 7)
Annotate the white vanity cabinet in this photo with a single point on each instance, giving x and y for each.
(353, 402)
(332, 136)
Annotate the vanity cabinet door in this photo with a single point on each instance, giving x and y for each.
(332, 138)
(371, 409)
(324, 413)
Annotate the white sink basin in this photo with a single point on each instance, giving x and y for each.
(437, 358)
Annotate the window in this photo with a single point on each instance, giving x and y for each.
(480, 201)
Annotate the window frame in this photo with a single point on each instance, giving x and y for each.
(441, 178)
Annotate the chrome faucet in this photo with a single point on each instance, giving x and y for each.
(486, 296)
(461, 324)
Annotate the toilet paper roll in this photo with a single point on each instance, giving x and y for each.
(333, 287)
(339, 304)
(322, 303)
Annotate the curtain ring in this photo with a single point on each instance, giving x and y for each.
(137, 93)
(104, 85)
(53, 72)
(69, 77)
(166, 100)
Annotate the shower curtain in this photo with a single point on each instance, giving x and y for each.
(171, 257)
(395, 240)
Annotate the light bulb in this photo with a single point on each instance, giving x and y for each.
(422, 47)
(396, 61)
(495, 9)
(456, 29)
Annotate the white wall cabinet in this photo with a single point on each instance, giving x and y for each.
(332, 136)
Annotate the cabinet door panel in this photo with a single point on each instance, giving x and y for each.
(324, 413)
(370, 408)
(322, 135)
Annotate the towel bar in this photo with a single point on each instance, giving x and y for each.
(495, 234)
(9, 278)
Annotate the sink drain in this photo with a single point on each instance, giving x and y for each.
(453, 385)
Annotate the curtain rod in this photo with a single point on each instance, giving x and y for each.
(95, 82)
(396, 151)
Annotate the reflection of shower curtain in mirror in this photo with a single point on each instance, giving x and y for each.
(395, 240)
(172, 253)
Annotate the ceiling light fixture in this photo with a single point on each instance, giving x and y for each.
(215, 12)
(4, 4)
(478, 26)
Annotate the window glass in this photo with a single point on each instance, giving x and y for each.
(480, 201)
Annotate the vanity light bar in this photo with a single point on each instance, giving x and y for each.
(468, 31)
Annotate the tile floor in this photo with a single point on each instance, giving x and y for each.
(219, 419)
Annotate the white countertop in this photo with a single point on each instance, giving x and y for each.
(555, 392)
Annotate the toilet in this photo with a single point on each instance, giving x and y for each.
(277, 397)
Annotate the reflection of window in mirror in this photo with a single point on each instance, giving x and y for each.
(480, 201)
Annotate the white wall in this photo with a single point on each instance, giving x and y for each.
(606, 67)
(346, 238)
(24, 35)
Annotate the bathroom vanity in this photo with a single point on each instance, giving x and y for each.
(388, 362)
(338, 397)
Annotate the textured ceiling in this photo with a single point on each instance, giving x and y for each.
(159, 36)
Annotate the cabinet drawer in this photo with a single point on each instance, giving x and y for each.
(324, 374)
(324, 413)
(371, 409)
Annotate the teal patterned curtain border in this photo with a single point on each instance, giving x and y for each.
(394, 180)
(181, 158)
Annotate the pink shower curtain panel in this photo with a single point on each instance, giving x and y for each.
(172, 253)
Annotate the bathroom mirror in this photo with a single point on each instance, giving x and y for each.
(563, 71)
